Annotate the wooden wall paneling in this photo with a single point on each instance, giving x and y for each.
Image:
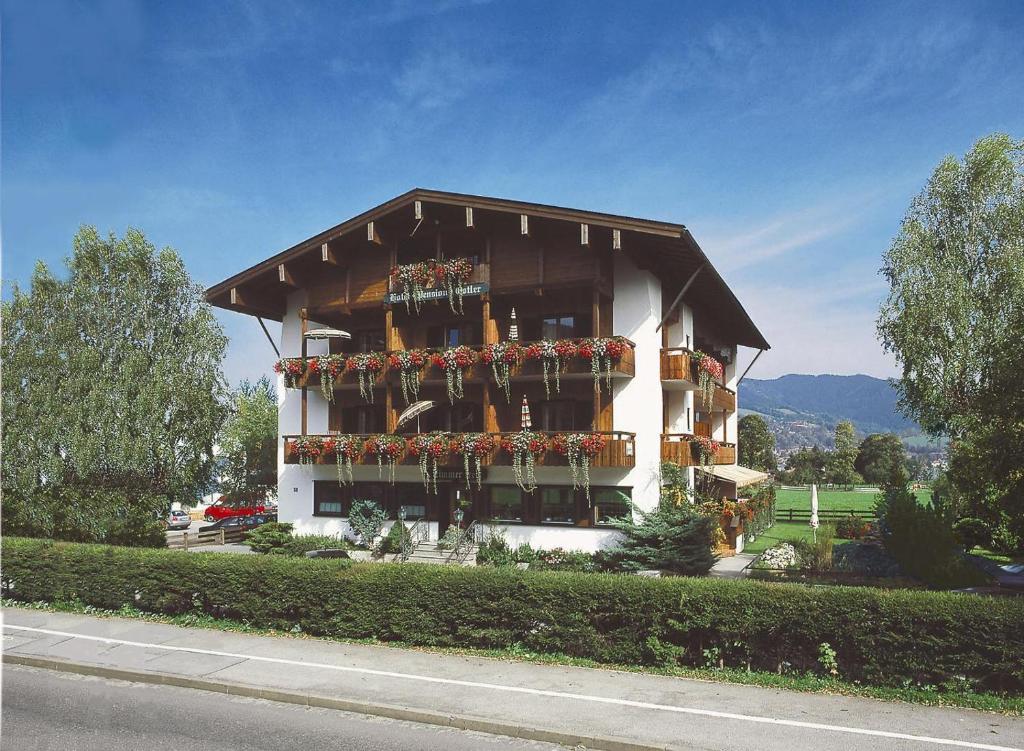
(334, 416)
(390, 413)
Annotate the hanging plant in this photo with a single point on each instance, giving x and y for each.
(329, 367)
(430, 449)
(292, 368)
(451, 276)
(413, 279)
(312, 447)
(602, 353)
(525, 447)
(367, 366)
(409, 363)
(579, 449)
(454, 361)
(347, 448)
(387, 447)
(501, 357)
(709, 370)
(705, 449)
(553, 355)
(473, 446)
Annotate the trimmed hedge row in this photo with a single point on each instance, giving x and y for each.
(881, 637)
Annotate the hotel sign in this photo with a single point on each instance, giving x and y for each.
(466, 290)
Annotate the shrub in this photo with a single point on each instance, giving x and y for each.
(922, 542)
(972, 533)
(367, 520)
(864, 559)
(816, 554)
(395, 538)
(851, 527)
(880, 637)
(670, 538)
(277, 538)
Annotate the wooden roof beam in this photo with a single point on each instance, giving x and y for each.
(372, 236)
(285, 276)
(585, 235)
(328, 255)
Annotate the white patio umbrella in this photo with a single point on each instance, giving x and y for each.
(526, 423)
(513, 328)
(814, 511)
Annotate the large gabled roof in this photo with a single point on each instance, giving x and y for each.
(666, 249)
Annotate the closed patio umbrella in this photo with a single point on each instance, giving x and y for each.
(526, 414)
(814, 511)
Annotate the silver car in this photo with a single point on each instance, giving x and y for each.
(177, 520)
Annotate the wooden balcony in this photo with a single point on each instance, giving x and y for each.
(525, 370)
(679, 371)
(619, 452)
(677, 447)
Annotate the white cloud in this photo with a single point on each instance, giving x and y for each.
(439, 76)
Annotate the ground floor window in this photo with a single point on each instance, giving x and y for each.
(610, 504)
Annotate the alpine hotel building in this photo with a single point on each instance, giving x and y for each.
(613, 337)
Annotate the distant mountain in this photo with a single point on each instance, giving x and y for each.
(803, 410)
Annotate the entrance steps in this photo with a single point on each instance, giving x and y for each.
(428, 552)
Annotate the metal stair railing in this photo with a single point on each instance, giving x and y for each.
(464, 545)
(418, 532)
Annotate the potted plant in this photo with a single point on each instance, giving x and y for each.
(311, 447)
(451, 275)
(602, 353)
(709, 370)
(292, 368)
(431, 449)
(580, 449)
(525, 447)
(408, 363)
(501, 356)
(473, 447)
(704, 449)
(347, 448)
(388, 448)
(366, 366)
(454, 361)
(553, 355)
(329, 367)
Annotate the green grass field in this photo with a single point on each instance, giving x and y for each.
(839, 500)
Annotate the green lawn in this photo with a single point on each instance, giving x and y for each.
(862, 503)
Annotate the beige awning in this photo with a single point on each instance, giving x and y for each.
(742, 476)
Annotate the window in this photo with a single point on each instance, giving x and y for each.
(365, 418)
(558, 327)
(506, 503)
(610, 504)
(565, 414)
(461, 417)
(413, 497)
(329, 499)
(557, 506)
(454, 334)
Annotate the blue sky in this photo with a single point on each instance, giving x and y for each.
(788, 137)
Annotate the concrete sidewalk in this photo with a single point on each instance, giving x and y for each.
(594, 708)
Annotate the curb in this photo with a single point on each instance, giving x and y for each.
(389, 711)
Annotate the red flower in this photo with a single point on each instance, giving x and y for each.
(615, 348)
(586, 350)
(532, 352)
(566, 348)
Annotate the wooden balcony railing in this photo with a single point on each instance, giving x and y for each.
(575, 368)
(678, 365)
(681, 449)
(619, 452)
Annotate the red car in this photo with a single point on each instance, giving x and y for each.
(223, 510)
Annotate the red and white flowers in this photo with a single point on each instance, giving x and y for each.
(579, 449)
(553, 355)
(473, 447)
(705, 449)
(602, 352)
(311, 447)
(501, 357)
(408, 363)
(367, 366)
(292, 368)
(329, 367)
(413, 279)
(431, 449)
(525, 447)
(347, 448)
(709, 370)
(388, 449)
(451, 276)
(454, 361)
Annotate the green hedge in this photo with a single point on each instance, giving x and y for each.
(881, 637)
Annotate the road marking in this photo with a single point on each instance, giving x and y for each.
(531, 691)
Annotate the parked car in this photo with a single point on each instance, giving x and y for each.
(224, 510)
(239, 523)
(177, 520)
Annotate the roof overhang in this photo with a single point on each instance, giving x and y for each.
(665, 249)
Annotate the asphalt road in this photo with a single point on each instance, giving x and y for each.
(51, 710)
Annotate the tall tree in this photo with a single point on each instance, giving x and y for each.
(839, 468)
(248, 443)
(757, 444)
(805, 466)
(881, 458)
(953, 319)
(112, 391)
